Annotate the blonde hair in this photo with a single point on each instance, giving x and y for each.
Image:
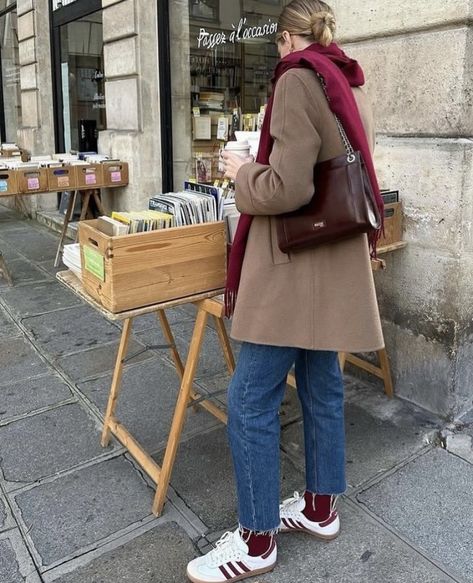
(310, 18)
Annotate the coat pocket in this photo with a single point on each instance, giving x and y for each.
(278, 256)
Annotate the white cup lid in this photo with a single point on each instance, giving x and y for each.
(243, 145)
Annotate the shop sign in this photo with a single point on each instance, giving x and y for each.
(240, 33)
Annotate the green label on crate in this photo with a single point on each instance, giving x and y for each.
(3, 185)
(94, 262)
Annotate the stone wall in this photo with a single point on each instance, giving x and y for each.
(37, 132)
(132, 97)
(418, 64)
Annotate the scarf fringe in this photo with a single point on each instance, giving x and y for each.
(373, 239)
(230, 302)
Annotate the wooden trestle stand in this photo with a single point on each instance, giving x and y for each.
(207, 305)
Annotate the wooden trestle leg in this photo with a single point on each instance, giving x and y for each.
(116, 382)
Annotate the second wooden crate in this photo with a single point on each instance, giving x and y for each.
(393, 224)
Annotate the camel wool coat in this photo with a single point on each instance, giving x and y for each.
(321, 298)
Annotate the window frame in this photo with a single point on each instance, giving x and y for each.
(165, 105)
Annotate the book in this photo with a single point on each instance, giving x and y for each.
(112, 227)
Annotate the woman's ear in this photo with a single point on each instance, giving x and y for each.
(287, 38)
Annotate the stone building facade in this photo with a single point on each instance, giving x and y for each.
(419, 68)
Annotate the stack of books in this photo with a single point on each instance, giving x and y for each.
(142, 221)
(196, 204)
(212, 101)
(71, 259)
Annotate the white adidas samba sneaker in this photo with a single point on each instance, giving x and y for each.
(229, 561)
(293, 519)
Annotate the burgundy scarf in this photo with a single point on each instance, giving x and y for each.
(340, 73)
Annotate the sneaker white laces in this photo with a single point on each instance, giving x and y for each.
(288, 505)
(226, 549)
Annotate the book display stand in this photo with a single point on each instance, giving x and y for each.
(207, 305)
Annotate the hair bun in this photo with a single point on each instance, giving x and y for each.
(323, 27)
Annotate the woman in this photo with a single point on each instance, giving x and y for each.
(299, 309)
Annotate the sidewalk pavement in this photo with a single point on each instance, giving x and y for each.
(72, 512)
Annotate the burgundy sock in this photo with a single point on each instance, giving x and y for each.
(317, 506)
(257, 543)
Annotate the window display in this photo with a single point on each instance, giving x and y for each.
(223, 54)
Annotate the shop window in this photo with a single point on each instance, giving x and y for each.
(221, 71)
(82, 82)
(10, 116)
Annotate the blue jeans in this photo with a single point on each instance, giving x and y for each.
(255, 396)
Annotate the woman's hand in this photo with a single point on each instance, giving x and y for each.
(233, 163)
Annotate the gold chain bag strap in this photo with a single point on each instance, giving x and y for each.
(343, 204)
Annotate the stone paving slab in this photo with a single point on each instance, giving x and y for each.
(3, 513)
(7, 326)
(16, 565)
(203, 477)
(47, 443)
(9, 254)
(403, 414)
(18, 360)
(39, 298)
(97, 361)
(34, 243)
(8, 226)
(6, 519)
(158, 556)
(7, 214)
(211, 361)
(147, 402)
(147, 321)
(48, 266)
(459, 444)
(363, 553)
(430, 501)
(69, 514)
(373, 445)
(26, 396)
(23, 271)
(72, 330)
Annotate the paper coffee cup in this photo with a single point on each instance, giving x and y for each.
(241, 149)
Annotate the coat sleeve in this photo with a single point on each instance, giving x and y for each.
(287, 183)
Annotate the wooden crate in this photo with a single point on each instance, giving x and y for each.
(8, 182)
(393, 224)
(132, 271)
(115, 173)
(62, 178)
(32, 180)
(89, 176)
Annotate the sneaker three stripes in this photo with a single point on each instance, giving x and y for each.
(237, 568)
(290, 523)
(230, 570)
